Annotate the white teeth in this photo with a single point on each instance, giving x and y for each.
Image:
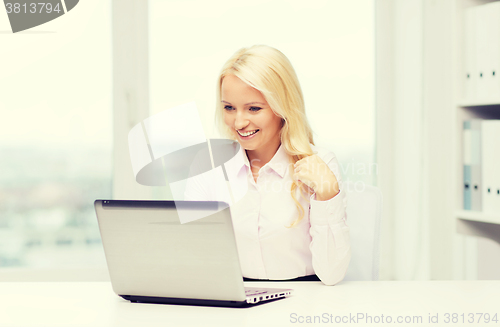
(249, 133)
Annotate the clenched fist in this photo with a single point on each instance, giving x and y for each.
(316, 174)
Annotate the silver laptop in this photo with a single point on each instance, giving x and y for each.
(153, 257)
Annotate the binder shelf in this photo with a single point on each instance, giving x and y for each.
(475, 103)
(478, 216)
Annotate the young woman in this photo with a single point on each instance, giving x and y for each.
(291, 223)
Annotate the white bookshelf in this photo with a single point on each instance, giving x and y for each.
(465, 110)
(475, 230)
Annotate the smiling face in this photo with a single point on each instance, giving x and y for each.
(250, 118)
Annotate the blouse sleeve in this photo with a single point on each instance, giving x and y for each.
(330, 245)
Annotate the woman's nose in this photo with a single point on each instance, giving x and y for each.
(240, 121)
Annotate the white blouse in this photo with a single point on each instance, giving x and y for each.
(268, 249)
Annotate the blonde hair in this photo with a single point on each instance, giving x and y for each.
(269, 71)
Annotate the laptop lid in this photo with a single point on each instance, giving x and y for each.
(150, 253)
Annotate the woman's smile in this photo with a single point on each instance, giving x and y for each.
(247, 135)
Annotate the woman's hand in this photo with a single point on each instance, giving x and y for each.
(316, 174)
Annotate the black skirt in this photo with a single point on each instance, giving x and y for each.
(310, 278)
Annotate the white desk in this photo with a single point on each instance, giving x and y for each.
(95, 304)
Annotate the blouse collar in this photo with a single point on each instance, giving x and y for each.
(278, 163)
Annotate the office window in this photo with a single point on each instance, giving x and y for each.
(330, 45)
(55, 139)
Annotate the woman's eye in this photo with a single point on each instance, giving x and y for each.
(255, 108)
(228, 107)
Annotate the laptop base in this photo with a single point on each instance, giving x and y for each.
(197, 302)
